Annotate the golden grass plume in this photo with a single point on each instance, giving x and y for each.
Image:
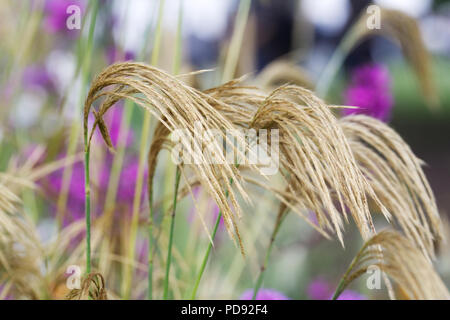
(316, 161)
(92, 288)
(396, 176)
(176, 106)
(403, 262)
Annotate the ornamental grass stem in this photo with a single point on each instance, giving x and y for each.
(208, 250)
(142, 156)
(176, 70)
(228, 73)
(172, 228)
(75, 129)
(260, 279)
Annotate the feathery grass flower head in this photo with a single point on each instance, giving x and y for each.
(370, 91)
(114, 120)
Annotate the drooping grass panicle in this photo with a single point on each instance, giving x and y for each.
(402, 261)
(20, 248)
(396, 176)
(177, 106)
(316, 159)
(92, 288)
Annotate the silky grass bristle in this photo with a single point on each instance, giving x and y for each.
(176, 106)
(315, 160)
(402, 261)
(395, 173)
(92, 288)
(20, 248)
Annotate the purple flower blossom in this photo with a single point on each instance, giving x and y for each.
(351, 295)
(113, 54)
(75, 199)
(320, 289)
(35, 76)
(263, 294)
(99, 177)
(55, 14)
(76, 194)
(370, 91)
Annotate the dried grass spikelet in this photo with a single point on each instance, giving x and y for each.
(92, 288)
(280, 72)
(22, 254)
(236, 101)
(317, 160)
(404, 30)
(176, 106)
(402, 261)
(396, 176)
(20, 249)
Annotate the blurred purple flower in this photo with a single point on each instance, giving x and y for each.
(263, 294)
(55, 14)
(320, 289)
(76, 195)
(35, 76)
(351, 295)
(127, 179)
(370, 91)
(113, 54)
(75, 199)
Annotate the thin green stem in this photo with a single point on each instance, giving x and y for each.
(127, 279)
(86, 64)
(172, 228)
(155, 54)
(260, 279)
(228, 73)
(345, 280)
(340, 288)
(335, 63)
(208, 250)
(236, 40)
(87, 203)
(75, 130)
(206, 257)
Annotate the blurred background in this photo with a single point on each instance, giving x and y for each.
(42, 91)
